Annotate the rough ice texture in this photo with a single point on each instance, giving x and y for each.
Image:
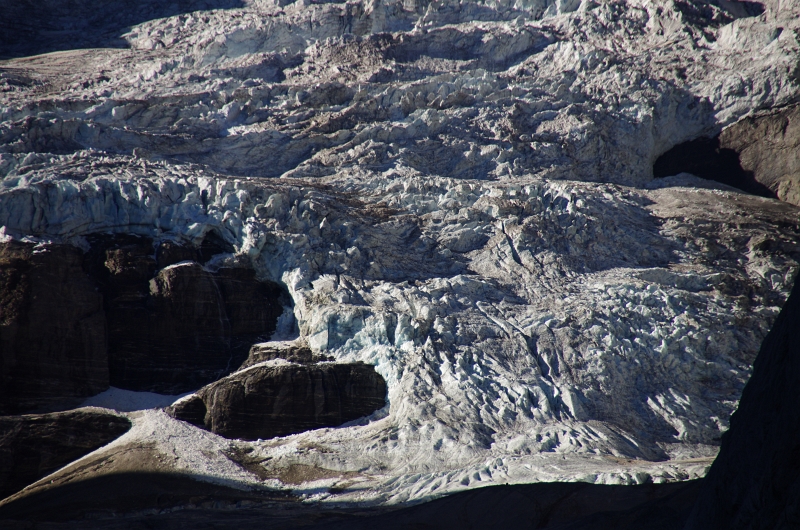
(463, 207)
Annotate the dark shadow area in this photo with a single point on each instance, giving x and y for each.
(705, 158)
(33, 27)
(551, 506)
(115, 496)
(33, 446)
(559, 506)
(741, 8)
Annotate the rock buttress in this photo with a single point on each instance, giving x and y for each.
(52, 328)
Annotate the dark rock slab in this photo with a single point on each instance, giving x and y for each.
(252, 308)
(52, 328)
(269, 401)
(754, 483)
(173, 326)
(33, 446)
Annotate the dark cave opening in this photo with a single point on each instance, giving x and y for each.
(706, 158)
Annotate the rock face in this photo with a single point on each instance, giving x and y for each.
(73, 322)
(270, 401)
(769, 148)
(173, 326)
(35, 445)
(758, 154)
(755, 481)
(52, 327)
(177, 339)
(252, 308)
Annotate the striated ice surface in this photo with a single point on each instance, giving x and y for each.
(465, 202)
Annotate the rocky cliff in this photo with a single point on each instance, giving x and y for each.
(53, 330)
(75, 322)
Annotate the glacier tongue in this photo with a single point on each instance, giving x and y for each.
(466, 203)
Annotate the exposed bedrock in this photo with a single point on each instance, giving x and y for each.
(33, 446)
(754, 482)
(769, 147)
(173, 325)
(52, 327)
(73, 322)
(266, 401)
(758, 154)
(168, 330)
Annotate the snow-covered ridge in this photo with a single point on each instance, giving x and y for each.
(463, 207)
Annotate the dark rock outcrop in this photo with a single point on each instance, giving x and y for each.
(769, 148)
(72, 322)
(176, 338)
(252, 308)
(269, 401)
(754, 482)
(34, 446)
(758, 155)
(292, 352)
(52, 328)
(173, 326)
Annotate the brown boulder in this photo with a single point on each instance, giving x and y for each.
(297, 352)
(34, 446)
(269, 401)
(52, 328)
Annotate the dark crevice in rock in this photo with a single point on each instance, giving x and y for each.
(281, 399)
(33, 446)
(705, 158)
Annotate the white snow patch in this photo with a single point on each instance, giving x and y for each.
(129, 400)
